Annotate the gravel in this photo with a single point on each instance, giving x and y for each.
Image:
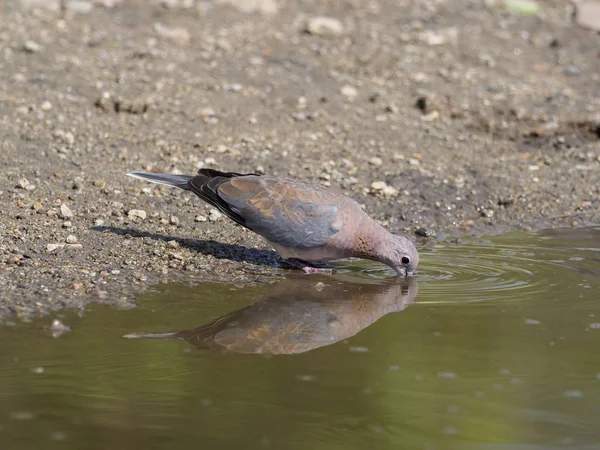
(432, 119)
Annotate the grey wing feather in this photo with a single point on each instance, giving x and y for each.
(309, 227)
(285, 212)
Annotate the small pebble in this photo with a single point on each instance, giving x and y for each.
(200, 218)
(65, 212)
(139, 213)
(178, 35)
(52, 247)
(383, 189)
(214, 215)
(79, 6)
(71, 239)
(174, 220)
(15, 259)
(349, 92)
(175, 255)
(324, 26)
(32, 47)
(23, 183)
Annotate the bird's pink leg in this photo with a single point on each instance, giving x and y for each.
(306, 267)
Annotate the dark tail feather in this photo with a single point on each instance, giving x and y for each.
(213, 173)
(180, 181)
(206, 186)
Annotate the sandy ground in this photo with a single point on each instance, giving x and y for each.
(452, 117)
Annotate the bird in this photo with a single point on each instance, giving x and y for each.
(305, 223)
(297, 315)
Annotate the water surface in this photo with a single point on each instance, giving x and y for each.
(494, 345)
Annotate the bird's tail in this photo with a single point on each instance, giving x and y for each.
(163, 335)
(180, 181)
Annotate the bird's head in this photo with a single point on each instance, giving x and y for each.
(401, 255)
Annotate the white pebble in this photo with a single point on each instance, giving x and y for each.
(380, 187)
(349, 92)
(177, 35)
(32, 47)
(65, 212)
(214, 215)
(51, 247)
(139, 213)
(325, 26)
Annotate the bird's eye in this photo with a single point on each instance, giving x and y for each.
(405, 260)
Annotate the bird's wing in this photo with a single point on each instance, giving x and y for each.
(286, 212)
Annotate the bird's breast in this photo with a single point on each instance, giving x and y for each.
(321, 253)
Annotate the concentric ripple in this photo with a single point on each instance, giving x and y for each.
(511, 267)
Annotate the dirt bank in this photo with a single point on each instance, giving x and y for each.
(472, 118)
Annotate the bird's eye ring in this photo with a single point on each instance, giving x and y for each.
(405, 260)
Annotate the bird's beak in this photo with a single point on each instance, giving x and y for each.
(404, 272)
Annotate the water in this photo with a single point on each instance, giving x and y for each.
(494, 346)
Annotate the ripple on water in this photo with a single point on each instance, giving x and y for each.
(507, 268)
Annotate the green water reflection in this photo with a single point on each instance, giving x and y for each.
(499, 350)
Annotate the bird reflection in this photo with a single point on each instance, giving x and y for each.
(298, 315)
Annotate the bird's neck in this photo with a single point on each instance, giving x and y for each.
(371, 240)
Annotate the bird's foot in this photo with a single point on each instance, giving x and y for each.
(306, 267)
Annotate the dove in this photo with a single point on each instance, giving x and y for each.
(298, 315)
(304, 223)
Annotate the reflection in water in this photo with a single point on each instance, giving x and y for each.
(298, 315)
(499, 352)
